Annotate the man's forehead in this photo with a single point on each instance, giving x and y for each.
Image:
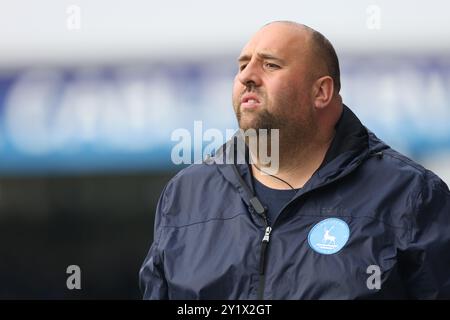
(277, 39)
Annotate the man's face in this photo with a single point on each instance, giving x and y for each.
(272, 89)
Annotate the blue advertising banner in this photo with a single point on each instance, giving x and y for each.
(116, 118)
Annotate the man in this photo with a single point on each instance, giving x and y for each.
(344, 217)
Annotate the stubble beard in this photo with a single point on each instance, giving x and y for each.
(295, 132)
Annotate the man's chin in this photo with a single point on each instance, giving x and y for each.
(248, 125)
(247, 121)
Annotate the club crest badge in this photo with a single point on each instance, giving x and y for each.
(329, 236)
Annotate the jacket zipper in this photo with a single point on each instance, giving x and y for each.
(256, 205)
(262, 261)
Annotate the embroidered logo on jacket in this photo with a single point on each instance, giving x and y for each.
(329, 236)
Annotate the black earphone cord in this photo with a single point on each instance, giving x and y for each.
(274, 176)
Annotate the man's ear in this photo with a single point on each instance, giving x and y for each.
(323, 92)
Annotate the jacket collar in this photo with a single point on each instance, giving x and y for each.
(350, 136)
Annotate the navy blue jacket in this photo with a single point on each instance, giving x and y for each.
(208, 238)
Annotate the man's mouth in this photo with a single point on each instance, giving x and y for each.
(250, 101)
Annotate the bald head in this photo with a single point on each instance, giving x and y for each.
(323, 56)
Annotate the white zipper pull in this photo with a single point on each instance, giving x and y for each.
(267, 234)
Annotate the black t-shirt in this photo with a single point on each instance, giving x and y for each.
(272, 199)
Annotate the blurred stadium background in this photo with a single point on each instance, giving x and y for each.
(90, 92)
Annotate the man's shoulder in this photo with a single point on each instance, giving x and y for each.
(394, 161)
(197, 172)
(397, 160)
(197, 194)
(399, 166)
(195, 178)
(401, 184)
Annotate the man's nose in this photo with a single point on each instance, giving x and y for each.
(249, 76)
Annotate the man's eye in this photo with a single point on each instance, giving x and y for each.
(242, 67)
(272, 65)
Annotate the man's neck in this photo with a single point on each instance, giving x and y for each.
(296, 165)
